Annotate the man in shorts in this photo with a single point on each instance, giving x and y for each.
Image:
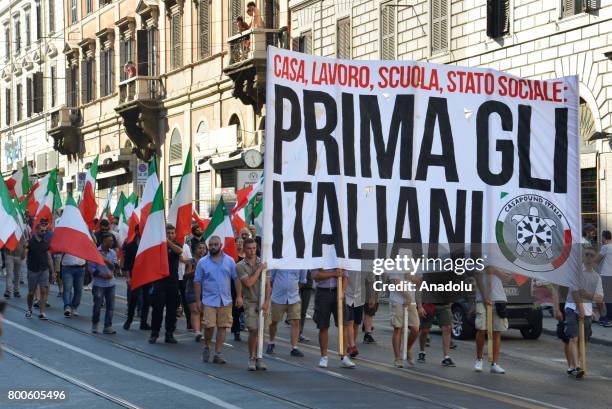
(286, 301)
(39, 264)
(355, 298)
(442, 314)
(489, 284)
(214, 273)
(250, 271)
(369, 311)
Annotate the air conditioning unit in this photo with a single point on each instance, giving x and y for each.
(41, 163)
(52, 160)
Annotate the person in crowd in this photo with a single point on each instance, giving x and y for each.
(442, 314)
(306, 290)
(197, 236)
(165, 292)
(184, 267)
(326, 305)
(490, 291)
(245, 234)
(402, 303)
(105, 227)
(104, 285)
(251, 271)
(214, 273)
(73, 273)
(12, 264)
(237, 312)
(369, 311)
(196, 316)
(39, 263)
(141, 294)
(129, 69)
(255, 20)
(579, 305)
(257, 238)
(355, 298)
(286, 301)
(604, 261)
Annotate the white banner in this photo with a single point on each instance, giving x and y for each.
(365, 152)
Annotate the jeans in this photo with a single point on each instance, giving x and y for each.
(108, 295)
(13, 270)
(73, 277)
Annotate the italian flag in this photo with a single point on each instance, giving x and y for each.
(10, 230)
(258, 216)
(50, 202)
(245, 202)
(71, 235)
(150, 190)
(19, 183)
(203, 223)
(151, 262)
(106, 212)
(37, 194)
(181, 208)
(132, 213)
(221, 226)
(120, 205)
(87, 204)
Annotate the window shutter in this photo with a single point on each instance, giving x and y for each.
(569, 8)
(439, 26)
(295, 44)
(51, 9)
(590, 5)
(38, 91)
(103, 73)
(122, 59)
(235, 11)
(7, 106)
(143, 52)
(177, 49)
(204, 11)
(388, 33)
(343, 39)
(111, 71)
(69, 89)
(84, 82)
(308, 42)
(498, 18)
(19, 101)
(28, 97)
(38, 22)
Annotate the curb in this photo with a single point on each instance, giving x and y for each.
(593, 340)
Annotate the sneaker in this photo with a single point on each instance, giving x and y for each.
(170, 339)
(578, 373)
(28, 314)
(16, 294)
(43, 317)
(35, 305)
(347, 363)
(270, 349)
(67, 312)
(109, 331)
(478, 365)
(323, 362)
(7, 294)
(607, 324)
(198, 338)
(296, 352)
(218, 359)
(398, 363)
(75, 313)
(495, 368)
(421, 358)
(94, 328)
(368, 339)
(252, 366)
(353, 351)
(260, 365)
(205, 354)
(570, 371)
(303, 339)
(448, 362)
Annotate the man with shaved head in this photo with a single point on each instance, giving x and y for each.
(212, 286)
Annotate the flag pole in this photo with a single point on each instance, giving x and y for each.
(405, 335)
(340, 298)
(260, 328)
(582, 344)
(489, 309)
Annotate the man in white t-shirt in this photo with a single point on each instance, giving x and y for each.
(185, 263)
(490, 291)
(579, 305)
(604, 259)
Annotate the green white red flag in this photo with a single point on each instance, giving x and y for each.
(71, 235)
(245, 201)
(19, 183)
(151, 263)
(132, 213)
(10, 230)
(37, 194)
(181, 208)
(120, 205)
(51, 201)
(150, 190)
(203, 223)
(258, 216)
(88, 204)
(221, 226)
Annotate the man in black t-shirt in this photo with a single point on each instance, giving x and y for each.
(165, 292)
(141, 293)
(39, 263)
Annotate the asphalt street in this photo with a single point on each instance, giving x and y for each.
(123, 370)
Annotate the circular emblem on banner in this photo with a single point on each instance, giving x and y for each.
(533, 233)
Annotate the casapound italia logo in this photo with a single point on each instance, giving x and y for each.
(533, 233)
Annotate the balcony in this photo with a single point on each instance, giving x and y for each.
(247, 64)
(140, 105)
(65, 131)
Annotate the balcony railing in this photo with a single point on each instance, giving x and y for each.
(252, 44)
(65, 116)
(140, 88)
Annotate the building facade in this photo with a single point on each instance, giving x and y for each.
(538, 39)
(151, 77)
(31, 84)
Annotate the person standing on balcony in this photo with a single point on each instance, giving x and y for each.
(255, 16)
(130, 69)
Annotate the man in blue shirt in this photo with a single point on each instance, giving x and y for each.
(213, 296)
(104, 285)
(286, 300)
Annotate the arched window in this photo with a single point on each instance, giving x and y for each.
(176, 147)
(202, 136)
(234, 120)
(587, 122)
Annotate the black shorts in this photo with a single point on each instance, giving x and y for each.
(571, 325)
(354, 314)
(370, 311)
(325, 305)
